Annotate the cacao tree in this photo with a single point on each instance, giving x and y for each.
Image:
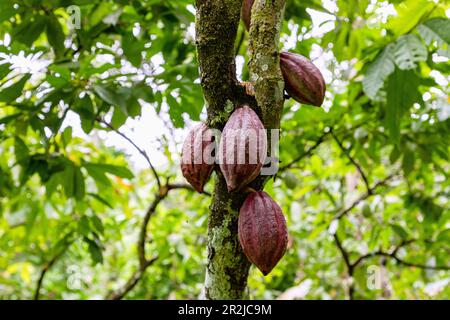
(103, 104)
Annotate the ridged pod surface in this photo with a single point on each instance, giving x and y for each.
(196, 161)
(303, 80)
(262, 231)
(243, 148)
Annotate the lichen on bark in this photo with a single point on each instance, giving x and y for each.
(216, 27)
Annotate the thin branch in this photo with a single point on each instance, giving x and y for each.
(132, 282)
(398, 260)
(353, 161)
(363, 197)
(140, 150)
(306, 153)
(44, 270)
(185, 186)
(144, 263)
(348, 264)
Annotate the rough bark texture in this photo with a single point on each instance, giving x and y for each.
(216, 27)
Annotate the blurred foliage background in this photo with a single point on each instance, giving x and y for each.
(363, 181)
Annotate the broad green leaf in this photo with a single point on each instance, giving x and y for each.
(55, 35)
(436, 29)
(6, 10)
(95, 250)
(5, 69)
(132, 49)
(29, 31)
(11, 93)
(118, 171)
(410, 12)
(408, 51)
(378, 72)
(100, 199)
(400, 231)
(402, 92)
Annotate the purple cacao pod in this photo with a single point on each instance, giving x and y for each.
(243, 148)
(262, 231)
(303, 80)
(197, 161)
(247, 12)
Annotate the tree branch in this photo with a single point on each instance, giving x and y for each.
(393, 255)
(363, 197)
(144, 263)
(306, 153)
(140, 150)
(348, 264)
(44, 270)
(353, 161)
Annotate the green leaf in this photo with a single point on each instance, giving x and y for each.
(132, 49)
(402, 92)
(78, 183)
(409, 159)
(66, 136)
(436, 29)
(111, 96)
(83, 226)
(408, 51)
(5, 69)
(409, 14)
(28, 31)
(100, 199)
(175, 111)
(85, 109)
(21, 151)
(400, 231)
(14, 91)
(378, 71)
(118, 171)
(55, 35)
(95, 250)
(6, 10)
(97, 224)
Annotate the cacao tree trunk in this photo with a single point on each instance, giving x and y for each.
(216, 27)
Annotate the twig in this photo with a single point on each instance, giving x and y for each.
(306, 153)
(398, 260)
(353, 161)
(348, 264)
(144, 263)
(44, 270)
(132, 282)
(140, 150)
(363, 197)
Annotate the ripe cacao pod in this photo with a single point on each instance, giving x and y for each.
(247, 12)
(262, 231)
(243, 148)
(197, 161)
(303, 81)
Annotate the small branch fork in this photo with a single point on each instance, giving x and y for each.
(353, 161)
(160, 195)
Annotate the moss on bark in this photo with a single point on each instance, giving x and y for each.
(216, 27)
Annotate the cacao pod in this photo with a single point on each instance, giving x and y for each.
(247, 12)
(262, 231)
(303, 81)
(196, 160)
(243, 148)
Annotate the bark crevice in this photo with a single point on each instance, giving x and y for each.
(216, 30)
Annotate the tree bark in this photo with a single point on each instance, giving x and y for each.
(216, 28)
